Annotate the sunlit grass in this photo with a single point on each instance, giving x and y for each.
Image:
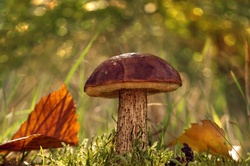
(79, 60)
(100, 150)
(203, 50)
(195, 101)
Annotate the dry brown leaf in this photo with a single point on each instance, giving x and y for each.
(53, 121)
(205, 137)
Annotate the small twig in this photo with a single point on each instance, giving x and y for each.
(247, 57)
(114, 118)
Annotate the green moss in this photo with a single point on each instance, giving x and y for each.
(101, 151)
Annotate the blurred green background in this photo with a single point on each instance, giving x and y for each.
(206, 41)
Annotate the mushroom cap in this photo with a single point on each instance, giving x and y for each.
(132, 71)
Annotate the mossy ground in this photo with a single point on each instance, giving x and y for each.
(101, 151)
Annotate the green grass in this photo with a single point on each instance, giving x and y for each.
(191, 103)
(100, 150)
(79, 60)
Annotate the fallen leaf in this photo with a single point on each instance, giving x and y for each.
(53, 121)
(205, 137)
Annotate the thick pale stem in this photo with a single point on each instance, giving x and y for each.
(132, 119)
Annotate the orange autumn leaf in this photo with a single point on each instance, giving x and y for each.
(51, 122)
(205, 137)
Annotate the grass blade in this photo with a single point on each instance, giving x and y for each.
(238, 86)
(79, 60)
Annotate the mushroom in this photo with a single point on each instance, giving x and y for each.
(131, 77)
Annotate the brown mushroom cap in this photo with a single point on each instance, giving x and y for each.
(132, 71)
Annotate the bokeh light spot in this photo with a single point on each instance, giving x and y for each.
(62, 31)
(173, 12)
(39, 11)
(229, 40)
(95, 5)
(197, 57)
(22, 27)
(207, 72)
(198, 11)
(150, 7)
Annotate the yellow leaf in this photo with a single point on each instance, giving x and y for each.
(205, 137)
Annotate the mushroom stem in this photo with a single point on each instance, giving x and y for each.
(132, 119)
